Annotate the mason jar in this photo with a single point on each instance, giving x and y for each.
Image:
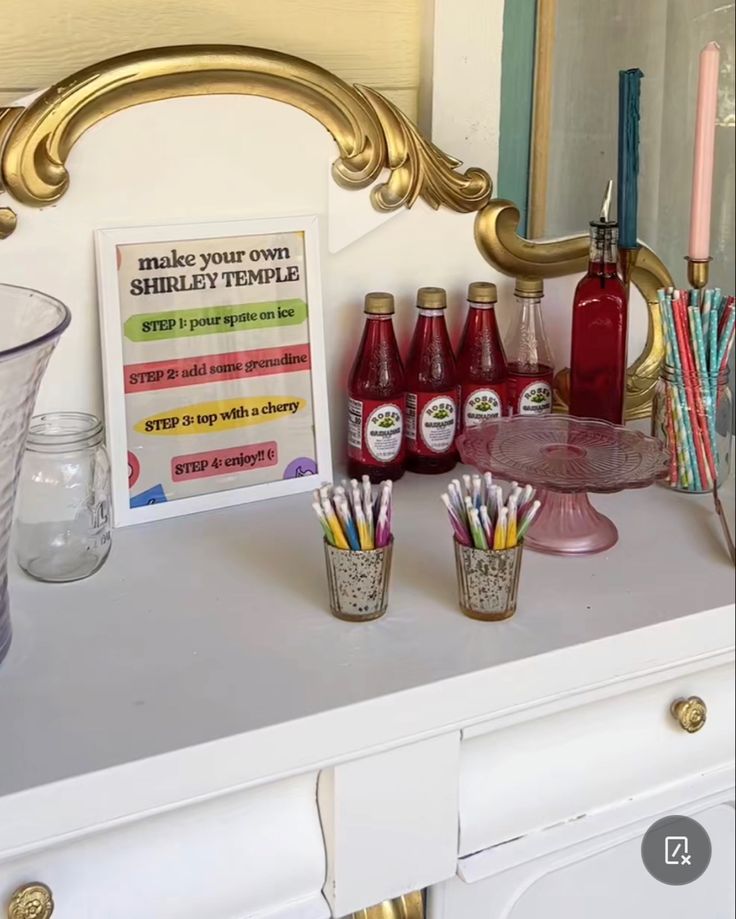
(692, 414)
(63, 515)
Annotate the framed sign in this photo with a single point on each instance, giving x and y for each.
(213, 364)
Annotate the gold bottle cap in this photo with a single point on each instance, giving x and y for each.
(379, 303)
(482, 292)
(530, 288)
(431, 298)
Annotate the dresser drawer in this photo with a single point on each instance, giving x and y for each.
(603, 877)
(532, 775)
(257, 852)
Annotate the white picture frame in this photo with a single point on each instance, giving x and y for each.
(115, 361)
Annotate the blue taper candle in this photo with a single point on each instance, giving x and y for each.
(629, 87)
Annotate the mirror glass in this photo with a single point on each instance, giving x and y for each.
(590, 43)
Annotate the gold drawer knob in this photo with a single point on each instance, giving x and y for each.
(32, 901)
(691, 714)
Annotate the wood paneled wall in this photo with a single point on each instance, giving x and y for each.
(376, 42)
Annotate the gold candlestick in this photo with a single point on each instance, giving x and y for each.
(627, 262)
(697, 272)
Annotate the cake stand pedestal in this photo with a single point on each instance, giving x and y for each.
(568, 524)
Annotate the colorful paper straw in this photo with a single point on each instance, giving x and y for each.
(351, 517)
(698, 341)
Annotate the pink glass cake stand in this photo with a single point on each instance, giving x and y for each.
(566, 457)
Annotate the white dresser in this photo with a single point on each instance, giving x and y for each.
(189, 733)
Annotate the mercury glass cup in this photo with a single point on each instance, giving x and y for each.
(488, 581)
(30, 326)
(358, 582)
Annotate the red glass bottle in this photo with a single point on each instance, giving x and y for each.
(481, 362)
(376, 403)
(529, 357)
(431, 389)
(599, 332)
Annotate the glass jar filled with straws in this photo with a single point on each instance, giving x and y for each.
(488, 535)
(358, 543)
(692, 409)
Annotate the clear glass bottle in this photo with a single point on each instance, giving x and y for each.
(431, 389)
(63, 518)
(481, 362)
(528, 355)
(599, 332)
(694, 418)
(376, 397)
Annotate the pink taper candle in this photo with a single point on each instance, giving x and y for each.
(705, 134)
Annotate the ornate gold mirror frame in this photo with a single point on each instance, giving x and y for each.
(371, 135)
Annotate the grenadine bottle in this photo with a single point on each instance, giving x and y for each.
(481, 362)
(599, 332)
(529, 364)
(376, 402)
(431, 389)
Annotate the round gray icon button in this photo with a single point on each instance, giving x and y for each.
(676, 850)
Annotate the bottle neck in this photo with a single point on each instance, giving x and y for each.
(431, 360)
(481, 354)
(530, 311)
(528, 346)
(378, 330)
(431, 323)
(603, 253)
(481, 318)
(377, 370)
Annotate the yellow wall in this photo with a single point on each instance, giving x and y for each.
(375, 42)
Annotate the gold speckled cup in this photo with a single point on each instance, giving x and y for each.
(358, 582)
(488, 581)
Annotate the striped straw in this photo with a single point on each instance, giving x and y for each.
(323, 523)
(476, 530)
(458, 525)
(528, 519)
(674, 352)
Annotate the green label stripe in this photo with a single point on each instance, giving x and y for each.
(213, 320)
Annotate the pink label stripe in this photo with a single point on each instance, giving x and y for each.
(211, 368)
(224, 462)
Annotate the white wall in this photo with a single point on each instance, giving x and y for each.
(466, 84)
(247, 157)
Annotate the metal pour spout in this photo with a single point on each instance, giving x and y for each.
(606, 205)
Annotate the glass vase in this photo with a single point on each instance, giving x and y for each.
(30, 325)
